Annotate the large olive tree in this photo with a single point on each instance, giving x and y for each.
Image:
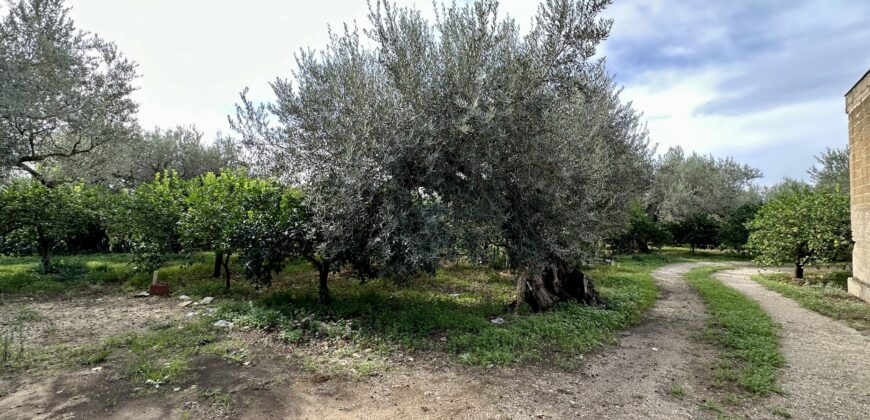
(63, 92)
(466, 131)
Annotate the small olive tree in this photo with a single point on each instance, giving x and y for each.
(802, 226)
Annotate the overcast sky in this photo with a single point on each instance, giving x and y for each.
(761, 81)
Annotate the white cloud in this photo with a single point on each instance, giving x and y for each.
(674, 58)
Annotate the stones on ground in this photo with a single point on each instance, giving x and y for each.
(222, 323)
(205, 301)
(184, 297)
(185, 303)
(497, 320)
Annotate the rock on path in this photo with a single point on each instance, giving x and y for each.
(827, 371)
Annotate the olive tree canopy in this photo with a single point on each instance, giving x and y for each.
(63, 92)
(690, 184)
(464, 130)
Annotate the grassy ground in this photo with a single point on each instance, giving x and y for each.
(365, 327)
(451, 312)
(824, 293)
(748, 335)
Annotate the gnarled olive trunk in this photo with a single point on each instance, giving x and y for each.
(542, 290)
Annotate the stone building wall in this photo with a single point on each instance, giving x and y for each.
(858, 109)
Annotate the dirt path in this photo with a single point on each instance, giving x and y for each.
(633, 380)
(827, 372)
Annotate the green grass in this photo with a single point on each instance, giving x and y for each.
(823, 293)
(747, 334)
(452, 311)
(94, 272)
(449, 312)
(155, 357)
(20, 275)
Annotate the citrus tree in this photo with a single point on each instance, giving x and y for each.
(802, 226)
(50, 216)
(146, 220)
(259, 219)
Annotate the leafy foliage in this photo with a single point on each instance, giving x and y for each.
(63, 92)
(146, 220)
(804, 226)
(137, 159)
(686, 185)
(831, 170)
(459, 131)
(48, 216)
(698, 230)
(261, 220)
(733, 232)
(642, 232)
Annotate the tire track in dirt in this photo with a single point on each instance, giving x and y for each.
(827, 371)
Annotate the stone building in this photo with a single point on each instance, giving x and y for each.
(858, 109)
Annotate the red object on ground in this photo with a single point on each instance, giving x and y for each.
(159, 289)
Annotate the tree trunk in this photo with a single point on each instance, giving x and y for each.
(798, 264)
(45, 259)
(642, 246)
(218, 261)
(323, 287)
(226, 264)
(44, 249)
(544, 290)
(798, 269)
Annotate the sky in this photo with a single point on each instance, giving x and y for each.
(760, 81)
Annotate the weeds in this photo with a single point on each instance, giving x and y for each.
(12, 338)
(748, 335)
(825, 294)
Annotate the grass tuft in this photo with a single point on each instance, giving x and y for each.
(824, 294)
(748, 335)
